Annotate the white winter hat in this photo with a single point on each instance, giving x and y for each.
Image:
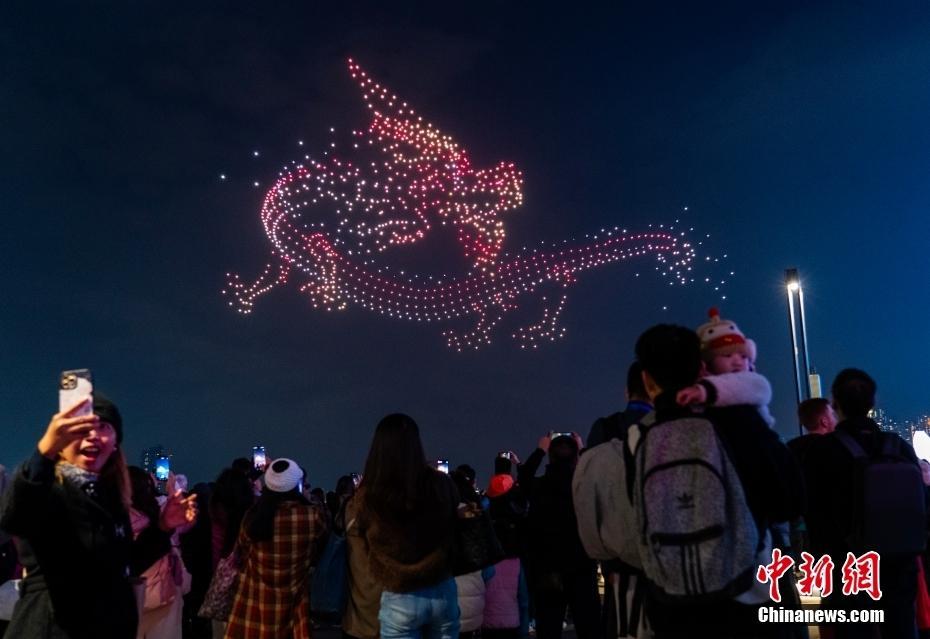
(722, 337)
(283, 475)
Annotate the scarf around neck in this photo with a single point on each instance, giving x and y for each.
(74, 476)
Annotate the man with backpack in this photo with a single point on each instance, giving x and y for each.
(621, 614)
(615, 426)
(866, 494)
(697, 494)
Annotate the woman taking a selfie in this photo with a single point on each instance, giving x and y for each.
(407, 514)
(69, 508)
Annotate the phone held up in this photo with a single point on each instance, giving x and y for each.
(75, 386)
(259, 461)
(442, 465)
(504, 454)
(162, 470)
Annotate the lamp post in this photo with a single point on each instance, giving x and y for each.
(799, 356)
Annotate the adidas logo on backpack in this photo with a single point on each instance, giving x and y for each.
(697, 536)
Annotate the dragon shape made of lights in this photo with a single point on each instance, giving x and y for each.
(329, 221)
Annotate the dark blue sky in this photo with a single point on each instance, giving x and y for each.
(797, 135)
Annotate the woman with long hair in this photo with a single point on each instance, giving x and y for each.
(68, 507)
(407, 514)
(167, 580)
(280, 540)
(233, 494)
(231, 498)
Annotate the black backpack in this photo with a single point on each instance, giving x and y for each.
(889, 508)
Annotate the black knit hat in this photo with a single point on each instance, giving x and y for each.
(109, 413)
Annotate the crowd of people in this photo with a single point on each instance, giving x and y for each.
(655, 526)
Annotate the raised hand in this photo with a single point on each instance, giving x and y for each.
(578, 441)
(544, 442)
(64, 428)
(696, 394)
(178, 511)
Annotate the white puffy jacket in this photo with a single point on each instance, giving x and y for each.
(471, 600)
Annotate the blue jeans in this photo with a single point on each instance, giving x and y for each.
(428, 613)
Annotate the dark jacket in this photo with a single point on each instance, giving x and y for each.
(615, 426)
(553, 544)
(508, 512)
(830, 473)
(770, 474)
(800, 445)
(410, 551)
(77, 547)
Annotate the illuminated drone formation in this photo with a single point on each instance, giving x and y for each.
(329, 220)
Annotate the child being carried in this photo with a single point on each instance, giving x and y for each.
(729, 377)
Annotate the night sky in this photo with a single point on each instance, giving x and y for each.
(795, 135)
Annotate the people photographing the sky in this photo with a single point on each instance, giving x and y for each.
(660, 527)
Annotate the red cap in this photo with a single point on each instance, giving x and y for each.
(499, 485)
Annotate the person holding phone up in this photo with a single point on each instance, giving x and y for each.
(560, 574)
(68, 507)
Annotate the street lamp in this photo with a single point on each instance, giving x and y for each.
(800, 358)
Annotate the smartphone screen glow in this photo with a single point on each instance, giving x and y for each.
(162, 467)
(259, 461)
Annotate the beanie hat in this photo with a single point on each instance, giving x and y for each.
(109, 413)
(499, 485)
(722, 337)
(283, 475)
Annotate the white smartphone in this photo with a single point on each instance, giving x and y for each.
(74, 386)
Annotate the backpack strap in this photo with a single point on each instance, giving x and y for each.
(629, 468)
(891, 446)
(888, 445)
(853, 447)
(629, 455)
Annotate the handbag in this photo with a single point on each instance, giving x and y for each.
(476, 545)
(329, 586)
(218, 602)
(165, 580)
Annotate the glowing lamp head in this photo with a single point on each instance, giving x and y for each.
(921, 443)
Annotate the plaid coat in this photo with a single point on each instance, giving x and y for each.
(273, 600)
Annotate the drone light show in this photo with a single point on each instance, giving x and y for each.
(333, 221)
